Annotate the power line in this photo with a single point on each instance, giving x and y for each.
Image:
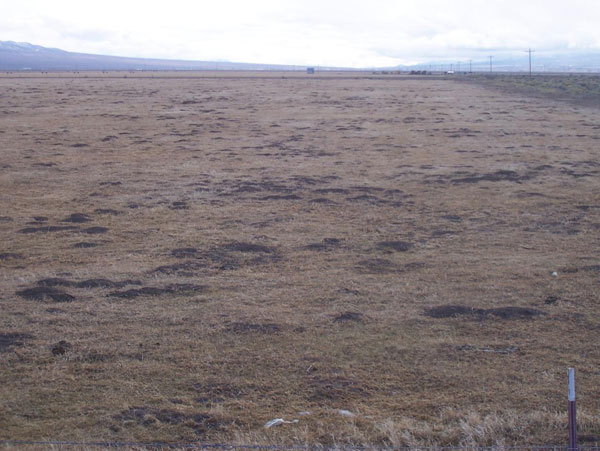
(530, 52)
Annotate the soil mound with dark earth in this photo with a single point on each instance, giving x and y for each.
(78, 218)
(43, 293)
(348, 316)
(151, 418)
(10, 340)
(243, 328)
(454, 311)
(183, 289)
(396, 246)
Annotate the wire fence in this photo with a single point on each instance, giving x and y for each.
(232, 446)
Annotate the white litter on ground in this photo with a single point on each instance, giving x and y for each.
(277, 422)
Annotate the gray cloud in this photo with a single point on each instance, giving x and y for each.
(333, 32)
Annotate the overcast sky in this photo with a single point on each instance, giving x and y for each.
(346, 33)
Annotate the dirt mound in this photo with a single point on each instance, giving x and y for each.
(442, 232)
(214, 392)
(591, 268)
(185, 288)
(494, 349)
(498, 176)
(184, 252)
(157, 291)
(105, 283)
(95, 230)
(384, 266)
(376, 266)
(61, 348)
(135, 292)
(55, 282)
(373, 200)
(281, 197)
(349, 316)
(322, 200)
(186, 268)
(179, 205)
(10, 256)
(326, 245)
(10, 340)
(551, 300)
(224, 257)
(85, 245)
(454, 311)
(48, 229)
(77, 218)
(150, 417)
(43, 293)
(332, 191)
(107, 211)
(395, 246)
(452, 218)
(335, 388)
(244, 328)
(247, 248)
(88, 283)
(514, 312)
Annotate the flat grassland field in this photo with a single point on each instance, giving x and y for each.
(186, 258)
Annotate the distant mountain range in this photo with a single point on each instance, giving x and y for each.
(16, 56)
(24, 56)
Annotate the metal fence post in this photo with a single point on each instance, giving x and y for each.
(572, 412)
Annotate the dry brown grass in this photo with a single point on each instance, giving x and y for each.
(300, 229)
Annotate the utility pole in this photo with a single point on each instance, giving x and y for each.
(530, 51)
(470, 66)
(491, 63)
